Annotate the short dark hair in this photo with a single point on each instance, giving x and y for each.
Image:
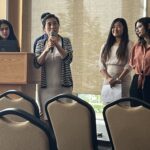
(43, 15)
(46, 16)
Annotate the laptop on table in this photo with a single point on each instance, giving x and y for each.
(9, 46)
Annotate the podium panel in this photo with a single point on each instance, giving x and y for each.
(17, 72)
(17, 68)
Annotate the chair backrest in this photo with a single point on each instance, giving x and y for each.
(128, 127)
(18, 99)
(32, 134)
(73, 122)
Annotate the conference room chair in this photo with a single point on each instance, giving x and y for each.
(18, 99)
(73, 122)
(128, 127)
(32, 134)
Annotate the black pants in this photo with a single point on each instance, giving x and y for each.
(143, 94)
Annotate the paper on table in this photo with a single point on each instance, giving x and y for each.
(109, 94)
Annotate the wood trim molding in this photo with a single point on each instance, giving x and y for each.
(19, 14)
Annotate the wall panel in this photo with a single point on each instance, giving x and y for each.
(86, 23)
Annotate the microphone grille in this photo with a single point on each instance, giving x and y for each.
(53, 33)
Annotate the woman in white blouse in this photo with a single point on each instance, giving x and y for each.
(114, 56)
(54, 54)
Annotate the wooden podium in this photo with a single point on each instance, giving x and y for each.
(18, 72)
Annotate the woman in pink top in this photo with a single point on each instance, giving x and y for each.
(140, 61)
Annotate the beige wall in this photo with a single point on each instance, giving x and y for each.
(87, 24)
(148, 8)
(3, 9)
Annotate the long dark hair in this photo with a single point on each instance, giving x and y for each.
(122, 52)
(12, 35)
(145, 21)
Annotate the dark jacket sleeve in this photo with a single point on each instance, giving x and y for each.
(38, 50)
(68, 47)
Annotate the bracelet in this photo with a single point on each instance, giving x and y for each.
(118, 79)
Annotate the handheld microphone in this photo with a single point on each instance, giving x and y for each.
(52, 34)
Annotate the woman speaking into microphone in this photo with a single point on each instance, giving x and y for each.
(54, 54)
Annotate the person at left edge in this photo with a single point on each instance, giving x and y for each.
(56, 77)
(7, 33)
